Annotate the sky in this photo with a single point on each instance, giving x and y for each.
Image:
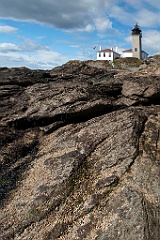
(43, 34)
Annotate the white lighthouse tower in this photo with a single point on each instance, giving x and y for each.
(136, 42)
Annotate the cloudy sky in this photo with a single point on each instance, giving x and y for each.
(47, 33)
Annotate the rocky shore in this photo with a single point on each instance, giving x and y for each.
(80, 152)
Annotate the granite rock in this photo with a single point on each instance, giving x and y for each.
(80, 153)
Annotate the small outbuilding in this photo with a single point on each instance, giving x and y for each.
(129, 53)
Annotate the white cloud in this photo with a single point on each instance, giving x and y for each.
(7, 29)
(61, 14)
(30, 45)
(122, 15)
(8, 47)
(27, 45)
(147, 18)
(103, 24)
(128, 39)
(151, 40)
(145, 12)
(74, 46)
(30, 54)
(136, 4)
(89, 28)
(81, 15)
(68, 15)
(40, 59)
(155, 3)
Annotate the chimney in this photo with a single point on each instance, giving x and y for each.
(116, 49)
(100, 49)
(111, 49)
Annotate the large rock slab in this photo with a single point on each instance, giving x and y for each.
(80, 154)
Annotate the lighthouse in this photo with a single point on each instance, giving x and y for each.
(136, 42)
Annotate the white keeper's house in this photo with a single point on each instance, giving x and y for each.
(136, 50)
(108, 54)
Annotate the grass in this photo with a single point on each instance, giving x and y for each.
(74, 61)
(128, 62)
(157, 56)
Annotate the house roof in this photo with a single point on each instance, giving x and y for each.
(130, 51)
(145, 52)
(127, 51)
(108, 50)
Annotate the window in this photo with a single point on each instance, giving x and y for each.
(99, 54)
(135, 49)
(104, 54)
(109, 54)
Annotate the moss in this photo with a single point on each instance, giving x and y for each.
(128, 62)
(77, 176)
(36, 214)
(72, 186)
(117, 64)
(79, 200)
(4, 181)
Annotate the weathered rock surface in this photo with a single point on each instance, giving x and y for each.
(79, 154)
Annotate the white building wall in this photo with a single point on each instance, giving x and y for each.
(105, 56)
(144, 55)
(127, 54)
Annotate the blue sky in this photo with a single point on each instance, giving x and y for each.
(47, 33)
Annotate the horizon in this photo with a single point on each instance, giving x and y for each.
(45, 34)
